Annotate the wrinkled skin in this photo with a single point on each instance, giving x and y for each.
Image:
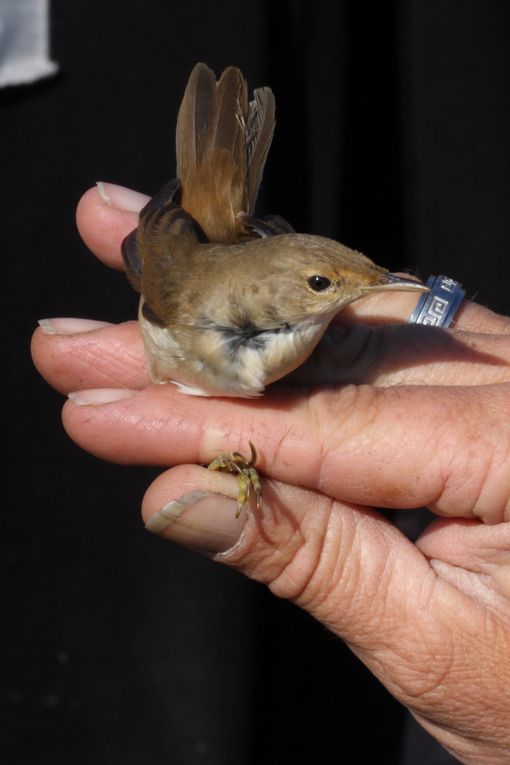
(423, 419)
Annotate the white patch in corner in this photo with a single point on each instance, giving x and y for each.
(24, 42)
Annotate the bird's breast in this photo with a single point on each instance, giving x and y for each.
(270, 354)
(226, 360)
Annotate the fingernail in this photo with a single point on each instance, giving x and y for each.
(96, 396)
(121, 198)
(201, 520)
(70, 326)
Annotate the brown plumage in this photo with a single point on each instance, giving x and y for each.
(231, 302)
(222, 143)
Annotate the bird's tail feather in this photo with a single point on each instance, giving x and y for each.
(222, 143)
(260, 130)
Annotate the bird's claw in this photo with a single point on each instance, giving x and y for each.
(247, 475)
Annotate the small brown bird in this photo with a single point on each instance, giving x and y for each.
(231, 302)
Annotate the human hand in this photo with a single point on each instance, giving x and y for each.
(431, 619)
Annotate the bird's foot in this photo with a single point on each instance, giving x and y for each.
(247, 475)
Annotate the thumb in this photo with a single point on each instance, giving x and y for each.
(303, 545)
(358, 575)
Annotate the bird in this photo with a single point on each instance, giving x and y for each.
(231, 301)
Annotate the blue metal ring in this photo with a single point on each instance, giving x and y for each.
(438, 307)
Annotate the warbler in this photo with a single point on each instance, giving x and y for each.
(231, 302)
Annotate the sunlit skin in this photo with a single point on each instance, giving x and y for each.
(428, 426)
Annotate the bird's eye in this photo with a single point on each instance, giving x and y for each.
(319, 283)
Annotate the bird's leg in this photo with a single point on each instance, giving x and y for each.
(247, 475)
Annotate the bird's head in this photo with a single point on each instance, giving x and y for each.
(312, 276)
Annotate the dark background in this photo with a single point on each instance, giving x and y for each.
(393, 136)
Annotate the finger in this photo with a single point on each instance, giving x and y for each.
(398, 306)
(405, 354)
(106, 214)
(362, 579)
(445, 448)
(75, 353)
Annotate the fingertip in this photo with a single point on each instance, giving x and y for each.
(121, 198)
(75, 353)
(36, 345)
(105, 214)
(190, 506)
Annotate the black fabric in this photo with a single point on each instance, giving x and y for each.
(392, 135)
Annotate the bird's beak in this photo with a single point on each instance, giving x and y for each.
(394, 282)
